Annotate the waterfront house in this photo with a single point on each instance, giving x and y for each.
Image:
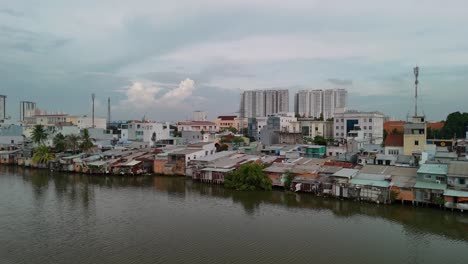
(394, 145)
(431, 183)
(456, 194)
(340, 181)
(9, 156)
(402, 184)
(68, 163)
(370, 187)
(216, 171)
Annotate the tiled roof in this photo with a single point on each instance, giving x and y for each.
(394, 140)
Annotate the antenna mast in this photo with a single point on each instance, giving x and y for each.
(93, 96)
(108, 112)
(416, 74)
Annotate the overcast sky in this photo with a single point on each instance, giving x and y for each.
(164, 59)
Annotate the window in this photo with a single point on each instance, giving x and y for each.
(370, 127)
(461, 181)
(206, 153)
(316, 128)
(427, 176)
(337, 134)
(330, 153)
(440, 178)
(416, 142)
(342, 134)
(342, 120)
(365, 127)
(370, 119)
(337, 127)
(370, 134)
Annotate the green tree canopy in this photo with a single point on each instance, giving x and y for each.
(42, 154)
(319, 140)
(87, 142)
(72, 142)
(288, 178)
(60, 143)
(455, 125)
(38, 135)
(248, 177)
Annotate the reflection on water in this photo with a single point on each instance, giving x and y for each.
(149, 217)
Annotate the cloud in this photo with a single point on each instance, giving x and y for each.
(149, 96)
(337, 81)
(140, 96)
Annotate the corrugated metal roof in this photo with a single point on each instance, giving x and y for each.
(376, 183)
(217, 169)
(458, 168)
(430, 185)
(98, 163)
(372, 177)
(131, 163)
(347, 173)
(439, 169)
(403, 181)
(456, 193)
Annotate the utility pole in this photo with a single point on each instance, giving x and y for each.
(416, 74)
(108, 112)
(93, 96)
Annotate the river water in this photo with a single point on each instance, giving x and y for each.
(50, 217)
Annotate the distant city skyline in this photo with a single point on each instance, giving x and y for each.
(164, 60)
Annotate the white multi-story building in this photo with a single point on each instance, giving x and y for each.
(200, 116)
(27, 109)
(146, 132)
(312, 128)
(314, 103)
(370, 123)
(302, 103)
(83, 122)
(257, 103)
(2, 106)
(199, 126)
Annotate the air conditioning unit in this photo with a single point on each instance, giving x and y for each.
(438, 182)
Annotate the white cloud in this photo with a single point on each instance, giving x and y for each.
(148, 96)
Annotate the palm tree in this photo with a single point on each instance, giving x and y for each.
(39, 135)
(59, 142)
(87, 142)
(72, 142)
(42, 155)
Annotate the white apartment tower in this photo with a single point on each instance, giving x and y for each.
(2, 106)
(259, 103)
(313, 103)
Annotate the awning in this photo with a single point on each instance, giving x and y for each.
(455, 193)
(131, 163)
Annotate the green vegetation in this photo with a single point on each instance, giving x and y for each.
(42, 154)
(319, 140)
(72, 142)
(288, 178)
(39, 135)
(60, 143)
(222, 147)
(87, 142)
(455, 126)
(249, 177)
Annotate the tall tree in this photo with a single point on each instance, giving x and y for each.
(87, 142)
(72, 142)
(248, 177)
(42, 154)
(60, 143)
(38, 135)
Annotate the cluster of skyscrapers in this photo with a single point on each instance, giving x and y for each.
(317, 103)
(307, 103)
(257, 103)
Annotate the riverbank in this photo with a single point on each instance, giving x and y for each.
(81, 219)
